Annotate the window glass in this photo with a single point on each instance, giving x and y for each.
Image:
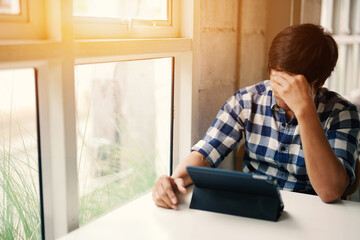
(10, 7)
(19, 172)
(342, 19)
(140, 9)
(123, 131)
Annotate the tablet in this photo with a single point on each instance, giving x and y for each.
(234, 181)
(217, 183)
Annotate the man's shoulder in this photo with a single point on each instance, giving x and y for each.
(257, 94)
(332, 101)
(260, 88)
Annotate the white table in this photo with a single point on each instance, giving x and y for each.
(304, 217)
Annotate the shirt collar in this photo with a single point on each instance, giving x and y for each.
(273, 104)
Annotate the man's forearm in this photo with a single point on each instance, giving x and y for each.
(193, 159)
(326, 173)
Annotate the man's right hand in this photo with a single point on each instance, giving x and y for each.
(165, 189)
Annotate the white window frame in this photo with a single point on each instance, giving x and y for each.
(54, 59)
(345, 78)
(29, 24)
(98, 28)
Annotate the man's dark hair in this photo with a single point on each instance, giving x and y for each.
(304, 49)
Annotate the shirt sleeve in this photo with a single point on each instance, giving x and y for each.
(223, 134)
(343, 135)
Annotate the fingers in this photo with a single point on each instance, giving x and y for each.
(281, 80)
(161, 203)
(274, 85)
(284, 74)
(286, 84)
(283, 77)
(180, 185)
(163, 193)
(167, 187)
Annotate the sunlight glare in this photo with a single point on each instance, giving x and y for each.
(123, 9)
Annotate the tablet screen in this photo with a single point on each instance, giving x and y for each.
(234, 181)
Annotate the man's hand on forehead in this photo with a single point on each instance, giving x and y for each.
(282, 76)
(293, 89)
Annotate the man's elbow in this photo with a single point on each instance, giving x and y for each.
(331, 193)
(329, 197)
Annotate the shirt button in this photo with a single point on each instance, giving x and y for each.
(283, 124)
(283, 148)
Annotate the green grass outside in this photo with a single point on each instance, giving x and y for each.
(20, 208)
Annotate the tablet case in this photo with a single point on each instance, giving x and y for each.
(235, 193)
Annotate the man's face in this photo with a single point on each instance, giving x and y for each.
(280, 102)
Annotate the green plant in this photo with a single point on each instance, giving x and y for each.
(142, 175)
(20, 205)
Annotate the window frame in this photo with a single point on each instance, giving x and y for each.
(29, 24)
(21, 17)
(99, 28)
(54, 59)
(337, 18)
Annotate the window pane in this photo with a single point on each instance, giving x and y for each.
(19, 172)
(140, 9)
(10, 7)
(123, 131)
(341, 17)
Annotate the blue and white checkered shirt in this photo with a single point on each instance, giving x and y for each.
(273, 145)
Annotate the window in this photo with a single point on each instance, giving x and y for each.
(125, 9)
(22, 19)
(123, 131)
(19, 171)
(10, 7)
(126, 18)
(342, 18)
(75, 59)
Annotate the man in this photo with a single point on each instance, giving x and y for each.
(305, 136)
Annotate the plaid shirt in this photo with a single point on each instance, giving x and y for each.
(273, 145)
